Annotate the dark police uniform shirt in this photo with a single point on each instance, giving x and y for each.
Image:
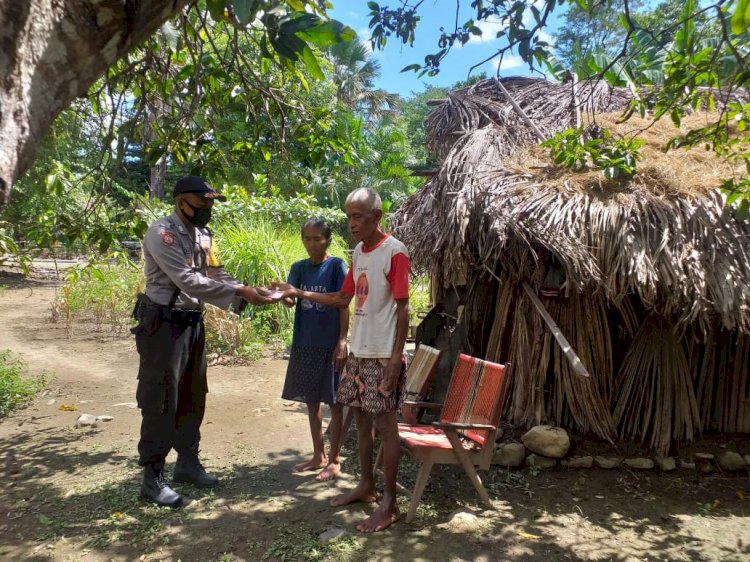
(183, 256)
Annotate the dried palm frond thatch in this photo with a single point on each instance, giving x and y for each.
(550, 105)
(666, 235)
(656, 294)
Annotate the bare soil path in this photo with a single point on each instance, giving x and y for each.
(70, 494)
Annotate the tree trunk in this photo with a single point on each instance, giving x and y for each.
(158, 179)
(52, 51)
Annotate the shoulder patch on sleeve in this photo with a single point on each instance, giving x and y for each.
(214, 258)
(167, 238)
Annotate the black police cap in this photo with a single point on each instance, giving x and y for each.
(197, 185)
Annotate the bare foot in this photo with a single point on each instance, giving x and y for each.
(331, 471)
(358, 494)
(312, 464)
(383, 518)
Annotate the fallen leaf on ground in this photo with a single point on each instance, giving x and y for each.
(67, 407)
(529, 536)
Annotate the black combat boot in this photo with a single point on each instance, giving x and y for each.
(156, 489)
(189, 469)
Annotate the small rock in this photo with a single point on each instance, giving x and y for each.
(687, 464)
(261, 410)
(509, 454)
(540, 461)
(665, 464)
(639, 463)
(607, 462)
(704, 456)
(104, 418)
(461, 521)
(86, 420)
(547, 441)
(51, 401)
(707, 467)
(331, 535)
(578, 462)
(730, 461)
(747, 460)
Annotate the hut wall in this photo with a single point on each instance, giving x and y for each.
(649, 381)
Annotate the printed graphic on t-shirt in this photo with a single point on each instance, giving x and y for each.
(308, 304)
(361, 291)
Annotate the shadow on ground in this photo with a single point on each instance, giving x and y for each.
(63, 503)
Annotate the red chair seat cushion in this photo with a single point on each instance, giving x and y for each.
(416, 436)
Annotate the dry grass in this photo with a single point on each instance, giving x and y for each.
(675, 173)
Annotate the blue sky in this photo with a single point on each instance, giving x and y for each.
(434, 13)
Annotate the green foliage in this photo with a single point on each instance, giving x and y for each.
(273, 207)
(16, 387)
(615, 157)
(419, 298)
(257, 251)
(302, 543)
(103, 293)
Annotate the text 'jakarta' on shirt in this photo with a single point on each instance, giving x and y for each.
(377, 277)
(316, 325)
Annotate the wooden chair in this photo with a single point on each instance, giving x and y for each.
(467, 428)
(418, 376)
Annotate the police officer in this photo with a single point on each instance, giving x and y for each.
(182, 272)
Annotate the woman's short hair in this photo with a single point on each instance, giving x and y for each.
(323, 225)
(366, 196)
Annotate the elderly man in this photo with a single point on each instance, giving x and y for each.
(182, 272)
(372, 383)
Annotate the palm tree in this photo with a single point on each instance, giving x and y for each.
(354, 72)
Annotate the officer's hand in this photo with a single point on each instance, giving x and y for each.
(255, 295)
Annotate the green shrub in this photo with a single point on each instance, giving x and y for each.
(419, 298)
(615, 157)
(255, 250)
(16, 387)
(258, 251)
(104, 293)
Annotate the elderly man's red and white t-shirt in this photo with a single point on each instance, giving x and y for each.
(377, 277)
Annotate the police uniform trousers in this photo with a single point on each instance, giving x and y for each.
(172, 382)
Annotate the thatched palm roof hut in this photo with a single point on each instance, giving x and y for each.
(654, 272)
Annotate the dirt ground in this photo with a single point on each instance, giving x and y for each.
(71, 494)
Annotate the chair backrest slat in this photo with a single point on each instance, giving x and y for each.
(475, 395)
(420, 370)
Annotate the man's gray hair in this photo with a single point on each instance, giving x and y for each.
(368, 197)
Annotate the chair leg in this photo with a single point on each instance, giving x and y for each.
(469, 468)
(421, 482)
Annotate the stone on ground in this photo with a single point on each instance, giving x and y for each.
(607, 462)
(665, 464)
(547, 441)
(730, 461)
(541, 461)
(578, 462)
(86, 420)
(509, 454)
(331, 535)
(639, 463)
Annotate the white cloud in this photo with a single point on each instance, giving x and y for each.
(364, 35)
(547, 37)
(508, 62)
(489, 31)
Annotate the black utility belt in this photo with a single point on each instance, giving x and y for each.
(168, 313)
(180, 316)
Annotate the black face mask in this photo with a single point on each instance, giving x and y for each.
(201, 215)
